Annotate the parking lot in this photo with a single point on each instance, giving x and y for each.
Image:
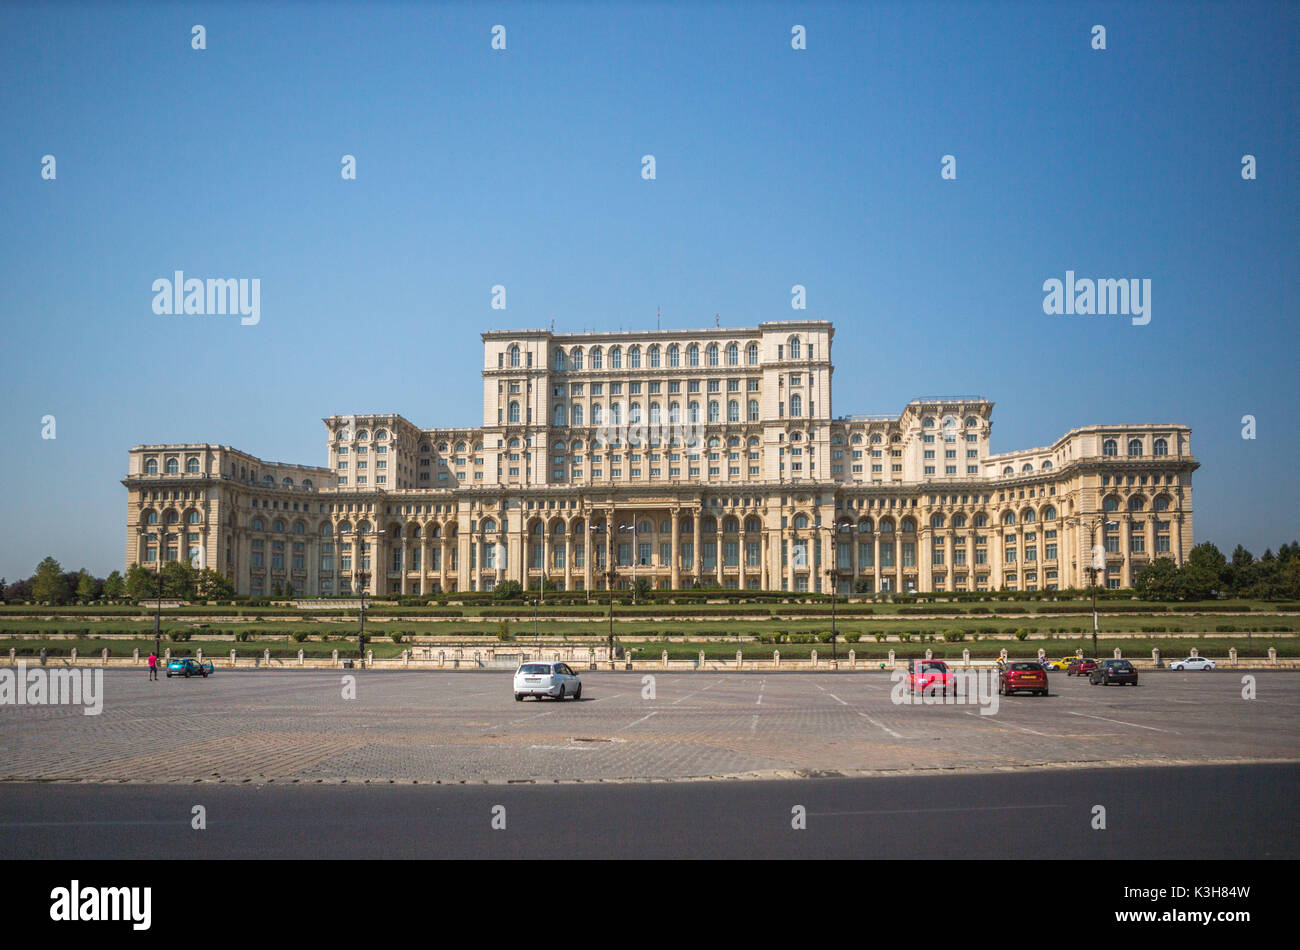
(467, 727)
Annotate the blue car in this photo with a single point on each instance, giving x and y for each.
(188, 666)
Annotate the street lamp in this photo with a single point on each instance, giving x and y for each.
(157, 617)
(831, 579)
(1092, 524)
(363, 581)
(626, 526)
(609, 582)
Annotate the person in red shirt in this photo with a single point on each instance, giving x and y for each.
(153, 666)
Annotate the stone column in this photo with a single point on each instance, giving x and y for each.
(675, 513)
(1125, 575)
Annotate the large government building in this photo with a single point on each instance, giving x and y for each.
(710, 457)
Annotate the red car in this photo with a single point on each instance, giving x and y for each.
(1081, 668)
(930, 676)
(1022, 675)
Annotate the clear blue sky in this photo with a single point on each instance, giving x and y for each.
(775, 167)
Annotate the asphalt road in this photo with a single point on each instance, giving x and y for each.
(1164, 812)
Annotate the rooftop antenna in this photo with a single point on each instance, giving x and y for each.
(658, 314)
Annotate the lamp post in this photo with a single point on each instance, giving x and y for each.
(1092, 524)
(631, 526)
(363, 581)
(831, 580)
(609, 582)
(157, 617)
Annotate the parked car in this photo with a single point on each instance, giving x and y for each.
(188, 666)
(930, 676)
(1193, 663)
(1023, 676)
(1119, 672)
(1081, 667)
(1063, 663)
(546, 679)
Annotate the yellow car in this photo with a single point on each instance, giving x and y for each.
(1063, 663)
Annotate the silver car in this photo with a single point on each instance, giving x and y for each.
(546, 679)
(1192, 663)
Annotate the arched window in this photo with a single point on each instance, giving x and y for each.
(616, 413)
(708, 526)
(1160, 447)
(634, 412)
(559, 359)
(1027, 467)
(713, 410)
(1111, 503)
(927, 422)
(576, 414)
(192, 465)
(794, 347)
(693, 412)
(936, 521)
(693, 355)
(326, 530)
(1134, 447)
(751, 354)
(654, 356)
(733, 411)
(981, 520)
(151, 517)
(908, 526)
(1137, 503)
(752, 524)
(259, 524)
(192, 517)
(886, 526)
(713, 354)
(616, 357)
(634, 357)
(674, 356)
(597, 414)
(801, 522)
(1009, 518)
(277, 525)
(513, 415)
(287, 482)
(733, 354)
(490, 526)
(753, 410)
(173, 467)
(1029, 517)
(1110, 447)
(345, 527)
(1162, 503)
(674, 412)
(1049, 513)
(381, 433)
(971, 422)
(514, 355)
(575, 357)
(299, 528)
(654, 413)
(959, 521)
(151, 467)
(559, 415)
(306, 483)
(1047, 464)
(1008, 471)
(796, 405)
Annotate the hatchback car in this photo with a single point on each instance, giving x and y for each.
(546, 679)
(931, 676)
(1192, 663)
(1063, 663)
(1119, 672)
(188, 666)
(1023, 676)
(1081, 667)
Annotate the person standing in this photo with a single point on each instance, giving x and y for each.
(153, 666)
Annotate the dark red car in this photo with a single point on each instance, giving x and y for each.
(1022, 676)
(931, 676)
(1081, 668)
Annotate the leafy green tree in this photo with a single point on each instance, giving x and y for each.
(1158, 580)
(141, 583)
(507, 590)
(114, 585)
(643, 588)
(87, 587)
(179, 580)
(213, 585)
(49, 585)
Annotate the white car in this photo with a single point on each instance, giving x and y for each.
(546, 679)
(1192, 663)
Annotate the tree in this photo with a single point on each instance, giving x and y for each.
(179, 580)
(87, 587)
(643, 588)
(1158, 580)
(213, 585)
(114, 585)
(49, 585)
(141, 583)
(20, 590)
(507, 590)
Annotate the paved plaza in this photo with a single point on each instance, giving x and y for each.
(452, 727)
